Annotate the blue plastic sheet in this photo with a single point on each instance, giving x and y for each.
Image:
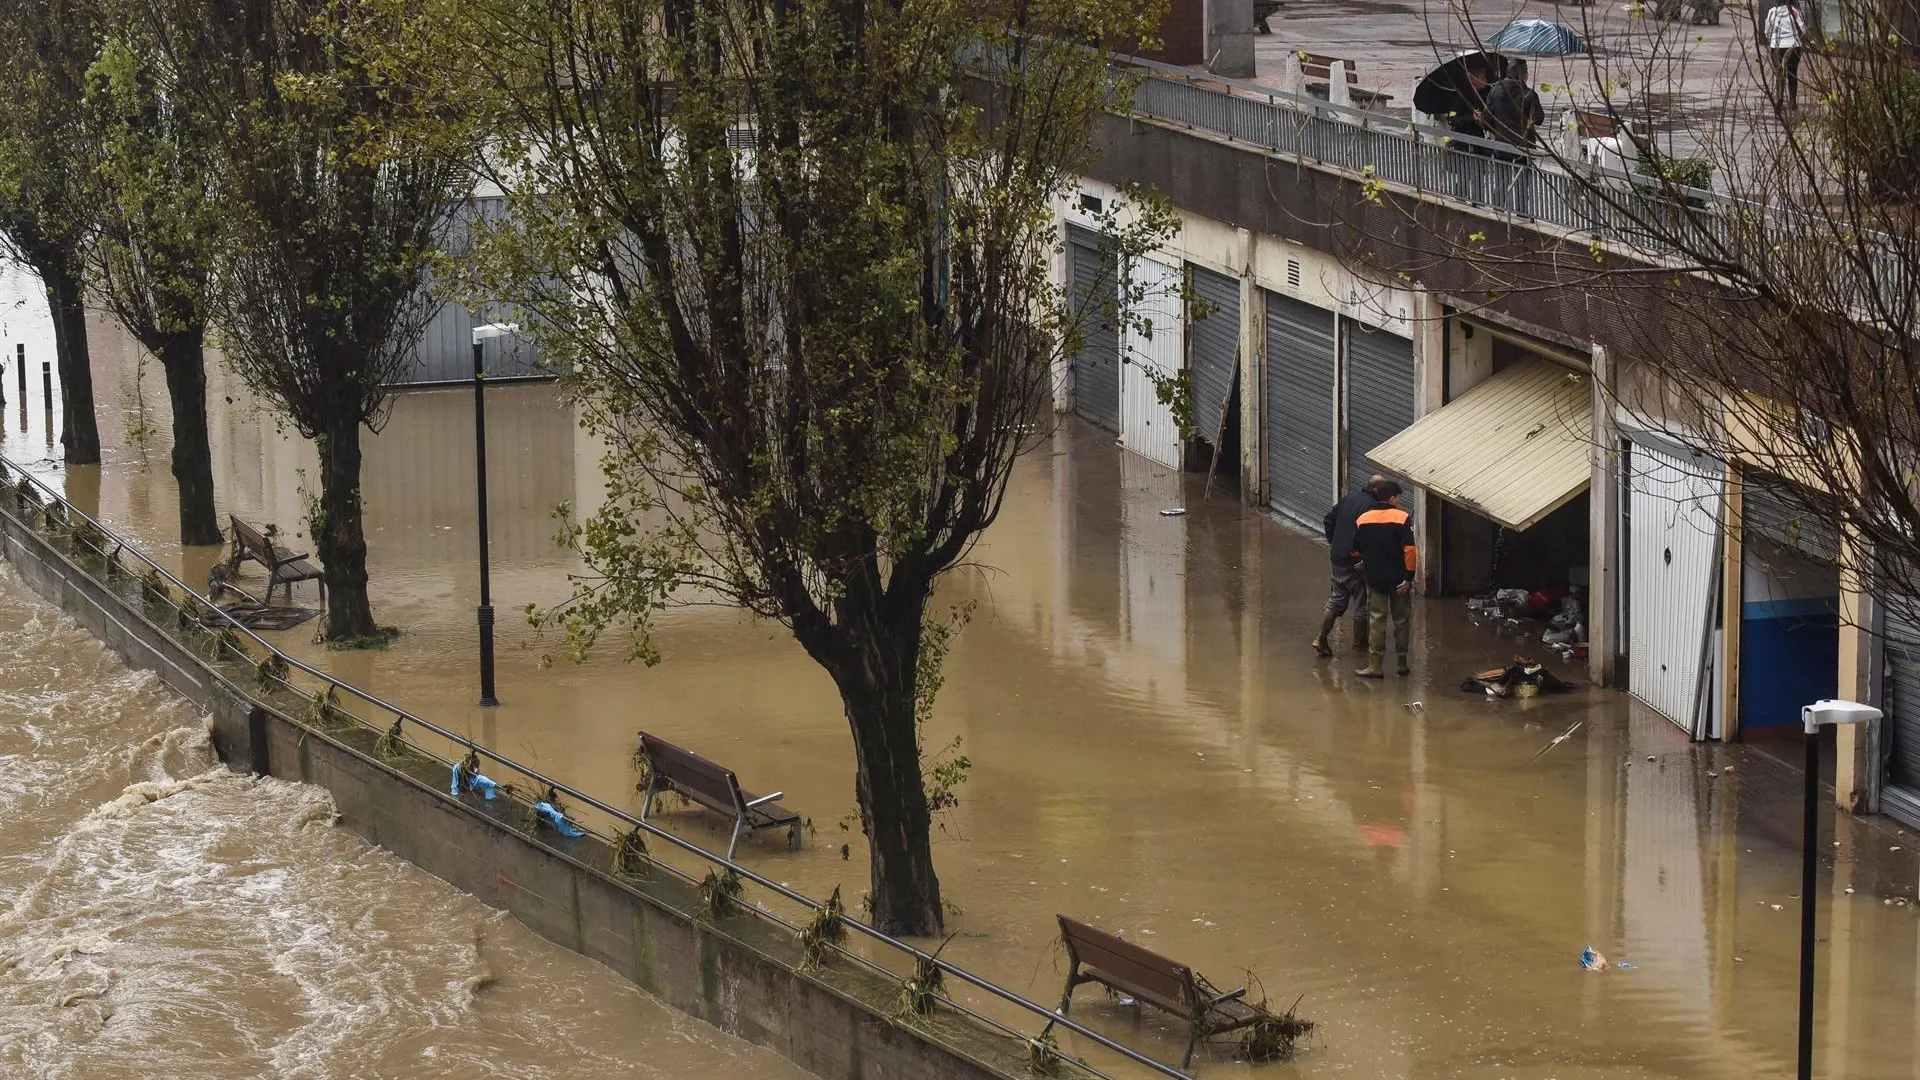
(557, 819)
(464, 781)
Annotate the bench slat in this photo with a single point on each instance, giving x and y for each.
(1144, 973)
(711, 785)
(1148, 976)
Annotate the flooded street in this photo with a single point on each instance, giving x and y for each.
(161, 916)
(1155, 750)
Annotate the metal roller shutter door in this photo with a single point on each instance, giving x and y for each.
(1379, 393)
(1771, 513)
(1902, 730)
(1215, 342)
(1300, 409)
(1096, 367)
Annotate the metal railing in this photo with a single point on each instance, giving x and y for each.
(1639, 212)
(150, 583)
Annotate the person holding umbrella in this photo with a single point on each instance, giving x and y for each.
(1513, 116)
(1453, 94)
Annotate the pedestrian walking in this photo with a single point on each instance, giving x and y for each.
(1384, 538)
(1785, 31)
(1349, 588)
(1513, 116)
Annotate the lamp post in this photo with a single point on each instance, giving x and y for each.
(1813, 717)
(482, 334)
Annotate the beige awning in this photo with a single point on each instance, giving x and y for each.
(1515, 448)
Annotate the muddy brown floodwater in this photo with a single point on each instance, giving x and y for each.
(161, 916)
(1155, 751)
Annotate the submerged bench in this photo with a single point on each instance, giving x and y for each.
(714, 787)
(250, 542)
(1096, 956)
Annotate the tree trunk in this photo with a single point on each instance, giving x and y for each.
(339, 537)
(877, 689)
(182, 356)
(66, 295)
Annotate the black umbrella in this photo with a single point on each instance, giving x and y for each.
(1447, 90)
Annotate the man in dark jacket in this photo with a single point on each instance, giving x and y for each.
(1514, 116)
(1384, 538)
(1349, 588)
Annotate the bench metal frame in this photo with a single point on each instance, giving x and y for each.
(271, 557)
(1193, 1006)
(742, 807)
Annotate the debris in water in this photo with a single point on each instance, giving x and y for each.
(824, 931)
(1556, 741)
(1043, 1052)
(720, 893)
(1275, 1036)
(1522, 678)
(1415, 706)
(1592, 960)
(1173, 511)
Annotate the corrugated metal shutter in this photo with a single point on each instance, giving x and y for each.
(1673, 533)
(1300, 409)
(1215, 345)
(1902, 730)
(444, 352)
(1772, 512)
(1379, 394)
(1096, 367)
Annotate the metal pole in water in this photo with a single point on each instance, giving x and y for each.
(20, 351)
(480, 472)
(1809, 834)
(46, 383)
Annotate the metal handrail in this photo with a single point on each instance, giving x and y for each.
(917, 955)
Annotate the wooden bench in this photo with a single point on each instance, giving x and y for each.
(1121, 966)
(1262, 11)
(671, 768)
(1318, 71)
(251, 543)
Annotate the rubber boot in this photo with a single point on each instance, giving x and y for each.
(1372, 670)
(1360, 630)
(1326, 631)
(1404, 669)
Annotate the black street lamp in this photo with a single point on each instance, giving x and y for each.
(1813, 717)
(482, 334)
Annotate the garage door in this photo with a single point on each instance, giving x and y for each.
(1096, 367)
(1379, 394)
(1300, 409)
(1673, 576)
(1214, 346)
(1901, 797)
(1154, 353)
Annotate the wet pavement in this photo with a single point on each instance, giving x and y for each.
(1155, 751)
(1694, 86)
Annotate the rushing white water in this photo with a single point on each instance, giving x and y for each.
(165, 917)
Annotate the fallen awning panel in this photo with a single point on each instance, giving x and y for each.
(1515, 448)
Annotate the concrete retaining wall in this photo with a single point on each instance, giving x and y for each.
(739, 974)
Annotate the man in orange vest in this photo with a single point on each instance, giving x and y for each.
(1383, 538)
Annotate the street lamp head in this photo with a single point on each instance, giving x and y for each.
(1830, 711)
(489, 331)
